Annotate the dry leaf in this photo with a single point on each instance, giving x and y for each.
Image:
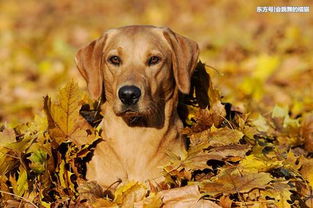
(232, 180)
(306, 131)
(188, 196)
(65, 122)
(127, 194)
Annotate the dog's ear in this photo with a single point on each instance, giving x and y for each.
(185, 53)
(89, 63)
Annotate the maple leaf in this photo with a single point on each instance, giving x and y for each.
(280, 192)
(152, 201)
(211, 144)
(127, 194)
(256, 163)
(11, 150)
(103, 203)
(283, 113)
(306, 131)
(225, 202)
(188, 196)
(7, 136)
(258, 121)
(4, 188)
(216, 136)
(38, 161)
(306, 170)
(20, 186)
(65, 122)
(232, 180)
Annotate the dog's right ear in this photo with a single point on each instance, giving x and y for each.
(89, 63)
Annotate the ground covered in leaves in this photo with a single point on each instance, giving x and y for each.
(234, 158)
(249, 123)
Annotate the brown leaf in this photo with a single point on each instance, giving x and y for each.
(188, 196)
(232, 150)
(217, 137)
(306, 132)
(306, 171)
(7, 136)
(309, 202)
(232, 180)
(225, 202)
(90, 191)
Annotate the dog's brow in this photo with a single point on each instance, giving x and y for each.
(154, 52)
(116, 51)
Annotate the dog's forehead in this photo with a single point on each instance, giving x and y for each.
(136, 36)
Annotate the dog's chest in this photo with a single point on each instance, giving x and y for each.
(136, 149)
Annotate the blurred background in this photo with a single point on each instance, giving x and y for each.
(259, 59)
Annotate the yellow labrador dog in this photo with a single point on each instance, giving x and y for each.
(139, 69)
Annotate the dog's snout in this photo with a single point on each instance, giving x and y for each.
(129, 95)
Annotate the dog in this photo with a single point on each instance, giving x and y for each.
(139, 70)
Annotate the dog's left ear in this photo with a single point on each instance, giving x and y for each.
(88, 61)
(185, 53)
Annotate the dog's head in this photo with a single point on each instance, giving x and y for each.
(139, 67)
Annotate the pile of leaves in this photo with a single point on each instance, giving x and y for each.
(234, 158)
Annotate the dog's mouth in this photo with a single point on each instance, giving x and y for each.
(133, 118)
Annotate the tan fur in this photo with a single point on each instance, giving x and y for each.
(137, 152)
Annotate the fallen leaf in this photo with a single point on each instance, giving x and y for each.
(306, 132)
(254, 164)
(127, 194)
(65, 122)
(232, 180)
(188, 196)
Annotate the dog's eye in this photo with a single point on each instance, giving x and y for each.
(115, 60)
(153, 60)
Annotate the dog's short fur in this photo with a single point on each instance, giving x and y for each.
(137, 137)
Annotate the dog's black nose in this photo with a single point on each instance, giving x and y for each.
(129, 95)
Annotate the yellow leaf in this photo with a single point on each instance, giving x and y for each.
(38, 160)
(253, 87)
(282, 112)
(279, 112)
(7, 136)
(153, 201)
(259, 122)
(65, 123)
(280, 192)
(21, 185)
(104, 203)
(254, 164)
(266, 65)
(127, 194)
